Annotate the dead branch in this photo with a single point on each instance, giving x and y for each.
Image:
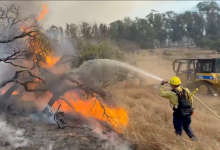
(103, 107)
(14, 56)
(32, 75)
(55, 119)
(58, 124)
(22, 35)
(25, 84)
(17, 65)
(98, 93)
(93, 107)
(118, 78)
(68, 103)
(94, 93)
(10, 16)
(11, 57)
(87, 89)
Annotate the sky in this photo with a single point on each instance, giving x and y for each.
(62, 12)
(108, 11)
(176, 6)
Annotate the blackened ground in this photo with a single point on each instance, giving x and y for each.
(42, 136)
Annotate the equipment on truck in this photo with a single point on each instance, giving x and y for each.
(204, 73)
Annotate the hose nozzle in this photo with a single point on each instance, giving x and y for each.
(195, 91)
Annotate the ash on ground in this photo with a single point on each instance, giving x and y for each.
(43, 136)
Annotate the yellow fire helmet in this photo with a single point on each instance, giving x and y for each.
(175, 81)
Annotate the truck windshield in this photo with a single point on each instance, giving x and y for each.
(217, 67)
(204, 67)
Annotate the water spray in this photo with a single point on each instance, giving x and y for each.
(160, 79)
(121, 64)
(135, 69)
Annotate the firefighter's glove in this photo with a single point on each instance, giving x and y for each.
(163, 82)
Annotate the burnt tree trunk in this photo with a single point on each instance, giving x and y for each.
(53, 99)
(9, 92)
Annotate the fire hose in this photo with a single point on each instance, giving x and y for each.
(192, 94)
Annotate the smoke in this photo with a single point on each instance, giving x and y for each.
(62, 12)
(14, 136)
(47, 147)
(100, 66)
(64, 45)
(110, 140)
(6, 71)
(45, 117)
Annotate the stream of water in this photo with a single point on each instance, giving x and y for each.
(124, 65)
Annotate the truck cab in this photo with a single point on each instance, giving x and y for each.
(204, 72)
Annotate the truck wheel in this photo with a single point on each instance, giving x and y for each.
(203, 89)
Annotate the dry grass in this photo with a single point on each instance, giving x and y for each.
(150, 116)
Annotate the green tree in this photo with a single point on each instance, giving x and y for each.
(210, 10)
(72, 32)
(194, 25)
(157, 21)
(178, 29)
(95, 31)
(103, 30)
(116, 30)
(86, 30)
(146, 33)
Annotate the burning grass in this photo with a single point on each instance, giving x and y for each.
(92, 107)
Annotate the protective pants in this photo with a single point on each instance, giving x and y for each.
(182, 122)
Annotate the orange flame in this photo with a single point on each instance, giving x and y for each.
(3, 91)
(43, 13)
(91, 108)
(14, 93)
(118, 116)
(51, 61)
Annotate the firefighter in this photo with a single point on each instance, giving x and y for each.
(181, 102)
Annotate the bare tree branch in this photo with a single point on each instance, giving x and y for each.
(22, 35)
(14, 56)
(93, 93)
(61, 120)
(25, 84)
(11, 57)
(68, 103)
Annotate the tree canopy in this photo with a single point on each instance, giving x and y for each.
(158, 29)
